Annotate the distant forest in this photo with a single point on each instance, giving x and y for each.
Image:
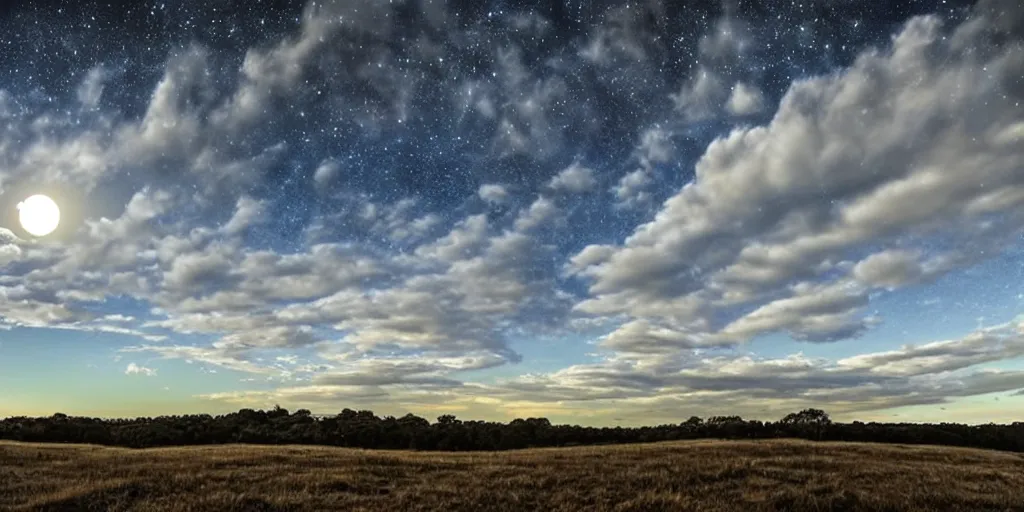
(364, 429)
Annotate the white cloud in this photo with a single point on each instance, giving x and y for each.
(729, 41)
(274, 71)
(528, 109)
(723, 79)
(540, 211)
(397, 220)
(890, 269)
(811, 312)
(9, 253)
(745, 100)
(575, 178)
(134, 369)
(771, 206)
(190, 272)
(467, 237)
(655, 146)
(326, 172)
(631, 189)
(91, 88)
(493, 193)
(997, 343)
(119, 318)
(701, 98)
(247, 212)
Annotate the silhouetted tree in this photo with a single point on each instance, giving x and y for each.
(364, 429)
(814, 420)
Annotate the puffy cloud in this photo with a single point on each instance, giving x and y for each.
(832, 174)
(134, 369)
(324, 269)
(892, 269)
(190, 273)
(721, 81)
(745, 100)
(463, 240)
(326, 172)
(493, 193)
(529, 110)
(701, 98)
(247, 212)
(655, 146)
(630, 190)
(33, 313)
(812, 313)
(539, 212)
(621, 38)
(274, 71)
(8, 253)
(397, 220)
(644, 336)
(574, 178)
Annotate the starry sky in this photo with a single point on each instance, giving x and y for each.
(597, 212)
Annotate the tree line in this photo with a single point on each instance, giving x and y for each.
(364, 429)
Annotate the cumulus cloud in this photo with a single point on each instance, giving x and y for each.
(539, 212)
(134, 369)
(326, 172)
(575, 178)
(9, 253)
(721, 81)
(247, 212)
(891, 269)
(493, 193)
(701, 98)
(812, 312)
(467, 237)
(774, 205)
(745, 100)
(630, 191)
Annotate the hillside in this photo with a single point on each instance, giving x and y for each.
(692, 475)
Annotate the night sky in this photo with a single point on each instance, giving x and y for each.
(597, 212)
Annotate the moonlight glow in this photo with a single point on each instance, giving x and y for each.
(39, 215)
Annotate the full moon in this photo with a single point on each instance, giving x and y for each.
(39, 215)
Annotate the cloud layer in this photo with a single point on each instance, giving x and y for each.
(362, 208)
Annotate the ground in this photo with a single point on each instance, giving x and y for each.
(694, 475)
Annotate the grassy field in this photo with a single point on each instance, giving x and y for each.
(697, 475)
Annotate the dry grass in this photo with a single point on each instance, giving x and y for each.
(698, 475)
